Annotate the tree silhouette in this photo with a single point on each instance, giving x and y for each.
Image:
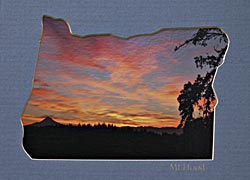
(200, 93)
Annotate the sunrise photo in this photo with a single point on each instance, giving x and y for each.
(100, 96)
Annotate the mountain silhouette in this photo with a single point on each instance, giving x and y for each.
(48, 121)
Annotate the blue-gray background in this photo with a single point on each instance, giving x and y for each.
(20, 32)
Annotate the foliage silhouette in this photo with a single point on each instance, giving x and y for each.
(200, 93)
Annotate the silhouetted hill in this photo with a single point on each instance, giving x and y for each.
(48, 121)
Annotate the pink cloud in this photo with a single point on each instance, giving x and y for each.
(64, 86)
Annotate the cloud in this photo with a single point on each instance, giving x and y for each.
(102, 78)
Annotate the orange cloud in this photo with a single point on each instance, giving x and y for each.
(103, 78)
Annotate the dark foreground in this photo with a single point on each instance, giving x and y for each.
(113, 143)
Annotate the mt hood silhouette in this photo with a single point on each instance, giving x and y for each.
(48, 121)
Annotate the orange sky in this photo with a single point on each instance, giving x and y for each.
(102, 78)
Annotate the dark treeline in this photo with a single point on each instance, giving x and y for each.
(99, 125)
(110, 142)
